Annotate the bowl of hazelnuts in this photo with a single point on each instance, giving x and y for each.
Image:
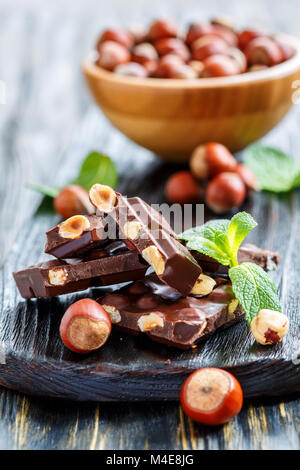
(170, 91)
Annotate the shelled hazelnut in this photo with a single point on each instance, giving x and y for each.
(269, 327)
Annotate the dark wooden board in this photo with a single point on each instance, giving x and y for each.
(130, 368)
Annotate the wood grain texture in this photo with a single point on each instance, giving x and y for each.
(31, 146)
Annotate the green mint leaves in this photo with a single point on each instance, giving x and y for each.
(254, 289)
(96, 168)
(220, 240)
(275, 171)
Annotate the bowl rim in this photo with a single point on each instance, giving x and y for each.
(272, 73)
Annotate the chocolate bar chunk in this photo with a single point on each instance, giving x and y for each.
(142, 230)
(268, 260)
(56, 277)
(75, 236)
(180, 323)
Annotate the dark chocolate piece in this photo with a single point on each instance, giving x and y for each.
(181, 323)
(140, 228)
(66, 248)
(57, 277)
(268, 260)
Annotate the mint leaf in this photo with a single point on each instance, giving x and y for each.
(97, 168)
(46, 190)
(220, 239)
(275, 171)
(210, 240)
(240, 225)
(254, 289)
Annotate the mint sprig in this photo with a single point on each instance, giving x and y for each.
(220, 240)
(254, 289)
(96, 168)
(275, 171)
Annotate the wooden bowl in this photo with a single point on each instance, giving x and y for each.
(171, 117)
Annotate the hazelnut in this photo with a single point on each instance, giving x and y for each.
(223, 21)
(287, 51)
(225, 192)
(183, 188)
(186, 72)
(149, 322)
(131, 229)
(211, 396)
(246, 36)
(233, 305)
(207, 46)
(175, 46)
(153, 256)
(103, 197)
(85, 326)
(73, 227)
(257, 68)
(131, 69)
(137, 32)
(239, 57)
(264, 51)
(113, 313)
(58, 277)
(197, 30)
(204, 285)
(169, 66)
(247, 176)
(220, 65)
(72, 200)
(112, 54)
(198, 66)
(116, 35)
(162, 29)
(143, 53)
(211, 159)
(269, 327)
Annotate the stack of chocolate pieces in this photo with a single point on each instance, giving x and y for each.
(177, 304)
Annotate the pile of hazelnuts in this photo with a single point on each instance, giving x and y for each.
(214, 175)
(207, 49)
